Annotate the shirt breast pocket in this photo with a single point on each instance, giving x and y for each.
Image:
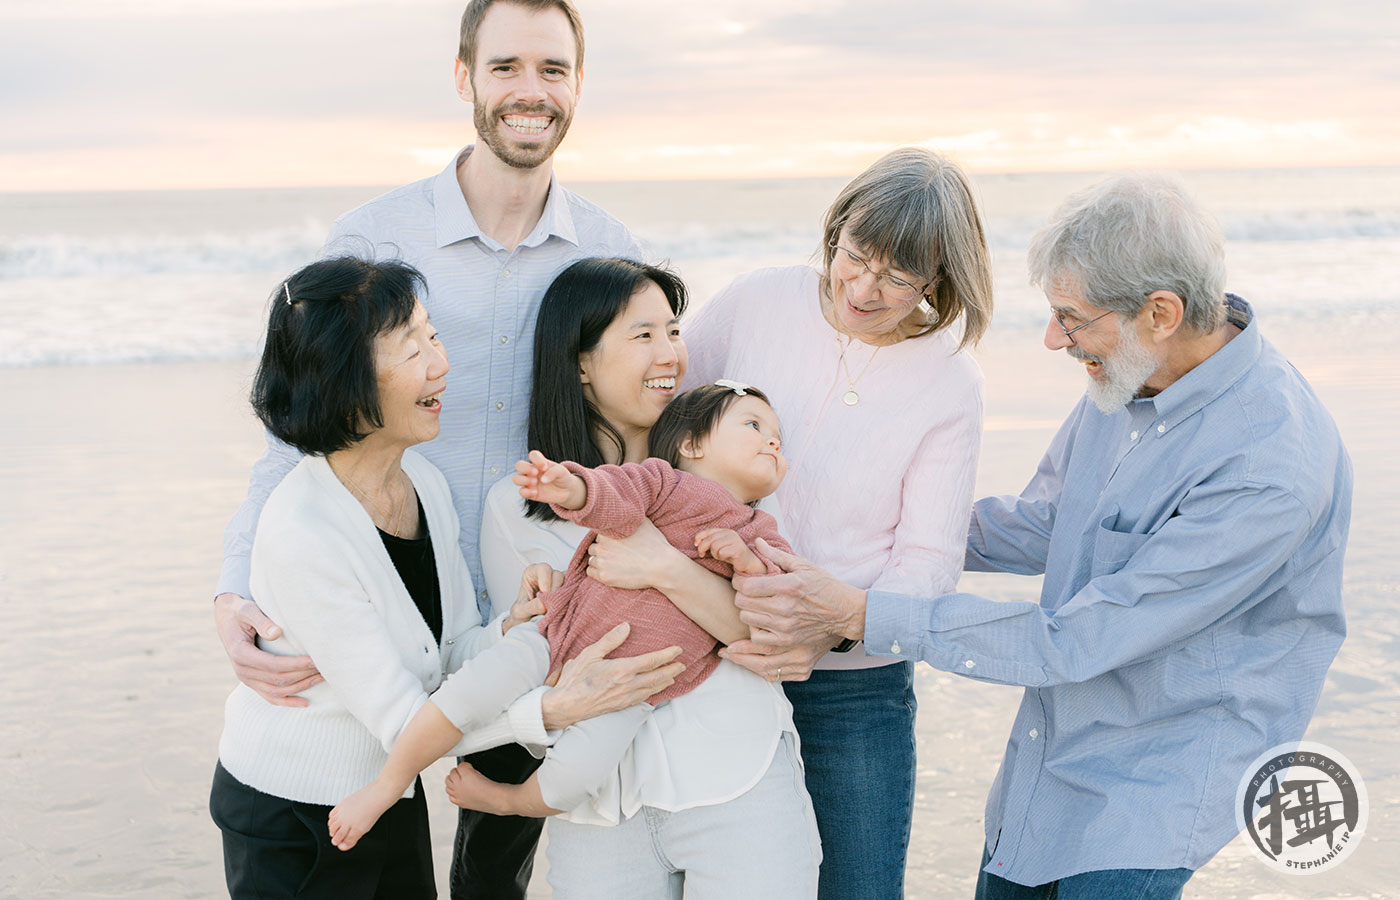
(1113, 548)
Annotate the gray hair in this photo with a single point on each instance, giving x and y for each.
(1130, 235)
(915, 209)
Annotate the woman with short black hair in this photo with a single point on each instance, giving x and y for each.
(356, 558)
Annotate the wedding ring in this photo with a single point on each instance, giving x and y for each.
(780, 674)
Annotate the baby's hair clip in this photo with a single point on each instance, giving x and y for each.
(288, 291)
(737, 387)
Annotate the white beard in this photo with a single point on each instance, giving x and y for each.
(1124, 372)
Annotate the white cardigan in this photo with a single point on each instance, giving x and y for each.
(320, 571)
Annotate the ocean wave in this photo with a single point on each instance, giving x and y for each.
(65, 256)
(1254, 227)
(283, 250)
(1021, 323)
(134, 351)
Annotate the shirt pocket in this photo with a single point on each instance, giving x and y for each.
(1113, 548)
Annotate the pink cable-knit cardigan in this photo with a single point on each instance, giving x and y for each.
(679, 504)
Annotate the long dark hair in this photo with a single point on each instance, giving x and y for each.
(579, 306)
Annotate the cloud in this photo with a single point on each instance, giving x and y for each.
(316, 62)
(725, 87)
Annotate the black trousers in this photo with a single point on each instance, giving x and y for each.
(493, 856)
(275, 848)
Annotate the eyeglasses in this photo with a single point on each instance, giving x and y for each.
(1069, 332)
(896, 289)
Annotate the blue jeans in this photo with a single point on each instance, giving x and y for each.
(857, 730)
(1118, 884)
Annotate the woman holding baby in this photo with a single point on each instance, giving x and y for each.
(880, 414)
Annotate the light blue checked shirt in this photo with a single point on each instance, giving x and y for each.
(1192, 550)
(483, 300)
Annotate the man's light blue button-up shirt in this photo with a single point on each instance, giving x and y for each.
(1192, 550)
(483, 300)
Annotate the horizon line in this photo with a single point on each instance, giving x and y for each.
(972, 172)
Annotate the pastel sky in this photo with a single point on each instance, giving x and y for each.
(121, 94)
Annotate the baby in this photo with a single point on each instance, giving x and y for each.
(718, 450)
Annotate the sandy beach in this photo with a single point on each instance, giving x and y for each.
(117, 482)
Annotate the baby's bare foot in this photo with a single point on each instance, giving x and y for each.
(356, 814)
(469, 789)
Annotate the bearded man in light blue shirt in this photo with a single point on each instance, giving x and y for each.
(1190, 519)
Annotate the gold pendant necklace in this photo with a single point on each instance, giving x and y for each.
(851, 398)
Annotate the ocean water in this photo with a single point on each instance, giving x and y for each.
(184, 275)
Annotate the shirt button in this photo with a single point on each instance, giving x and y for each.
(1161, 429)
(1035, 733)
(504, 339)
(500, 404)
(1133, 436)
(505, 273)
(495, 470)
(894, 648)
(970, 664)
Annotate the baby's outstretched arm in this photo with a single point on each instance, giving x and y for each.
(470, 789)
(428, 736)
(542, 479)
(725, 545)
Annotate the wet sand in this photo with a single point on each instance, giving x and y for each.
(117, 482)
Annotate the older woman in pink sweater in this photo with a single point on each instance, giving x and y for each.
(865, 359)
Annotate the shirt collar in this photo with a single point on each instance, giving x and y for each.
(454, 220)
(1217, 373)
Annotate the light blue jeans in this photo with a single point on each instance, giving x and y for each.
(761, 844)
(1117, 884)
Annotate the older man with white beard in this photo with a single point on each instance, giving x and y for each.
(1190, 519)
